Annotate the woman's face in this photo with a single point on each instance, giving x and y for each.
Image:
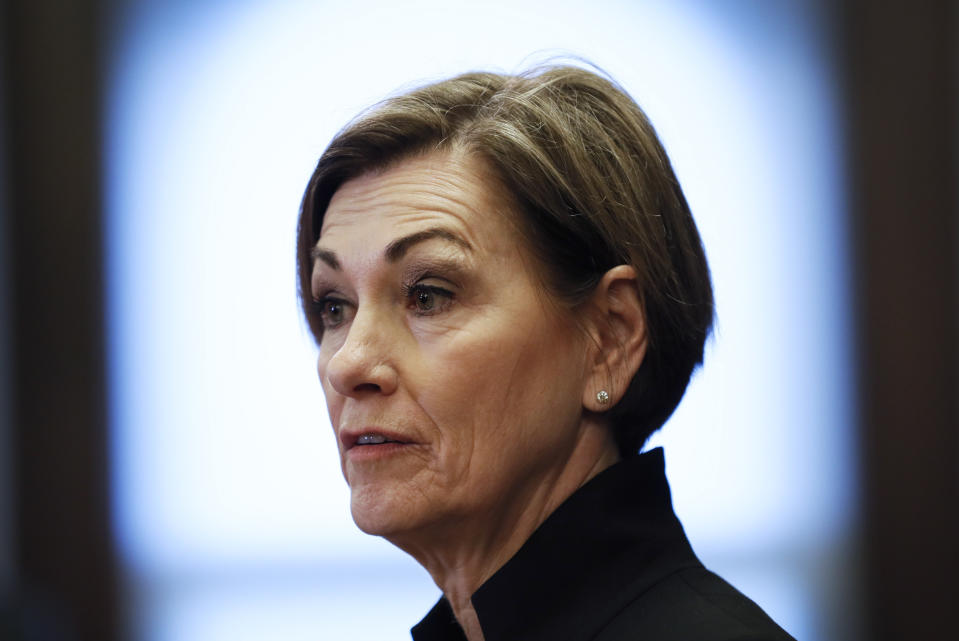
(454, 387)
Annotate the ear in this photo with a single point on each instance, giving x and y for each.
(617, 327)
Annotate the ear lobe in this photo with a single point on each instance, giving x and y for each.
(618, 330)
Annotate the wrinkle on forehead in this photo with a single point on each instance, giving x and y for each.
(431, 189)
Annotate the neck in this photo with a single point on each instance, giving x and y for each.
(461, 556)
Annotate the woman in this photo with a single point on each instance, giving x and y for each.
(509, 295)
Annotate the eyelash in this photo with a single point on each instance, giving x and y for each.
(319, 308)
(413, 292)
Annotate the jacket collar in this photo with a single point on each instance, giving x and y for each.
(608, 543)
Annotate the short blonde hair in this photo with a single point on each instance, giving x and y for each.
(592, 188)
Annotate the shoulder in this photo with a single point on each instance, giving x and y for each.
(692, 604)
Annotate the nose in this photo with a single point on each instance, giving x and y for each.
(364, 363)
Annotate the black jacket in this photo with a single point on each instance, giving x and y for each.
(610, 564)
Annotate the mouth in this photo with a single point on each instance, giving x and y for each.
(371, 439)
(370, 446)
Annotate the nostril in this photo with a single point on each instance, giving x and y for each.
(361, 365)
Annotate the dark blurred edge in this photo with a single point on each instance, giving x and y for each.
(64, 563)
(901, 73)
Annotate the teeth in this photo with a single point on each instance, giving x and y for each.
(371, 439)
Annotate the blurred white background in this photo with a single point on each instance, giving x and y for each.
(230, 511)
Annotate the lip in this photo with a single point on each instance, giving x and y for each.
(349, 438)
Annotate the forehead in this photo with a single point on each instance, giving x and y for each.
(452, 190)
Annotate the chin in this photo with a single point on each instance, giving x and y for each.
(381, 513)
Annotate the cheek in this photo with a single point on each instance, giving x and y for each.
(457, 389)
(484, 393)
(533, 382)
(501, 417)
(333, 400)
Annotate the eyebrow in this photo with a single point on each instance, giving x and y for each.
(326, 256)
(397, 248)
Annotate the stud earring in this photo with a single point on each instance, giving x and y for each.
(602, 397)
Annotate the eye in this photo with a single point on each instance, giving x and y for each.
(333, 311)
(426, 300)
